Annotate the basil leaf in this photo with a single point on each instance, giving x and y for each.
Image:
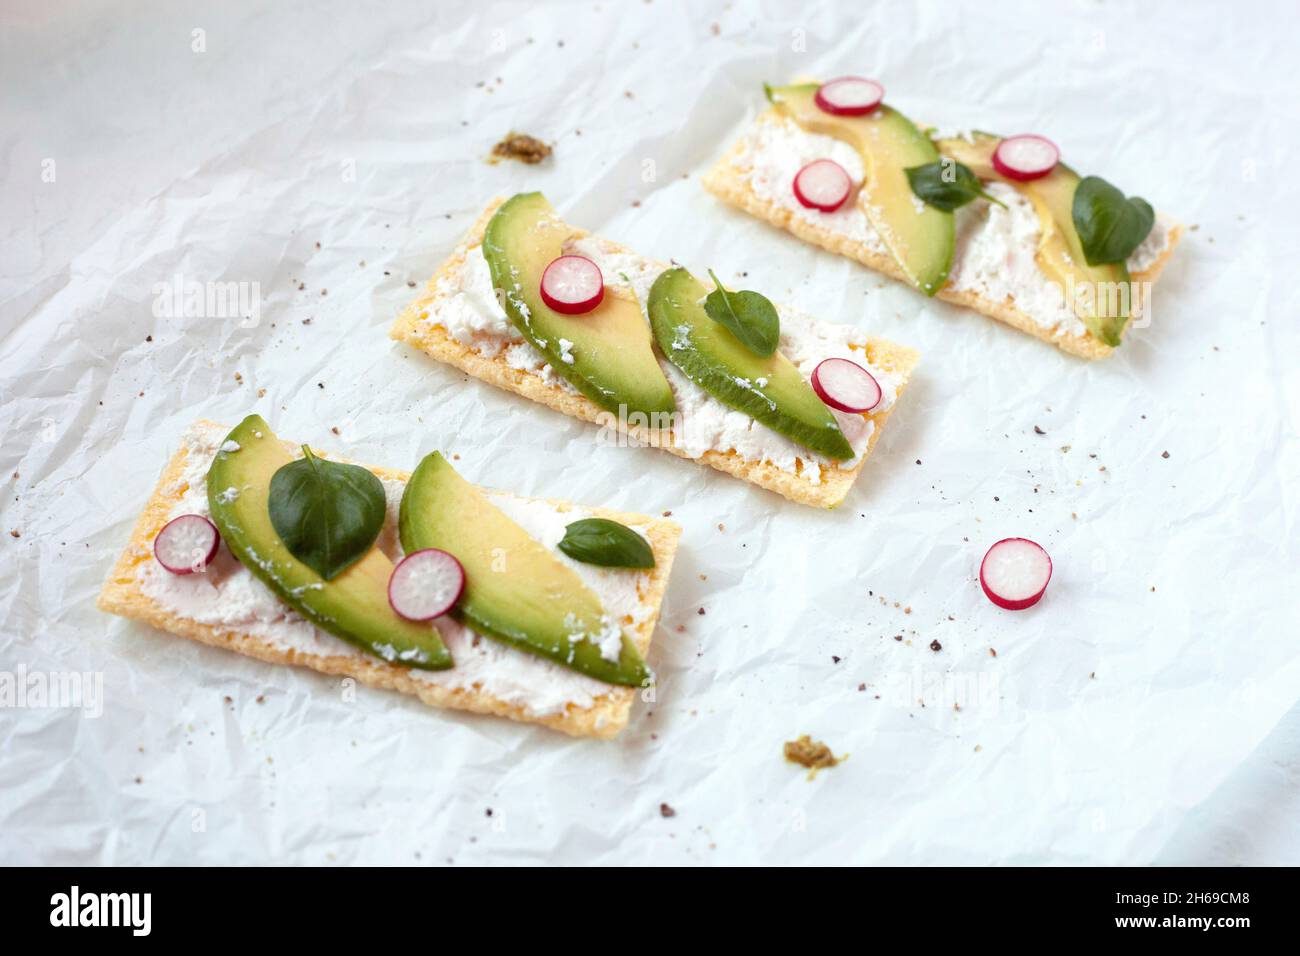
(947, 184)
(1109, 226)
(748, 315)
(327, 514)
(607, 543)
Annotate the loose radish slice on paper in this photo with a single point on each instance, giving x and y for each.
(572, 285)
(823, 185)
(187, 544)
(1025, 157)
(425, 584)
(1014, 573)
(849, 96)
(845, 385)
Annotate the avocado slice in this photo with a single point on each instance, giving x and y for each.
(1104, 308)
(516, 590)
(609, 357)
(768, 389)
(354, 605)
(919, 237)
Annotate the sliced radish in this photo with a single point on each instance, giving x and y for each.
(846, 385)
(1025, 157)
(849, 96)
(572, 285)
(823, 185)
(1014, 573)
(187, 544)
(425, 584)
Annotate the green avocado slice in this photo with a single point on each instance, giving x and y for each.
(768, 389)
(354, 605)
(516, 590)
(920, 238)
(1103, 291)
(608, 356)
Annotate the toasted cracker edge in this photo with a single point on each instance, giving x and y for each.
(605, 718)
(726, 181)
(412, 328)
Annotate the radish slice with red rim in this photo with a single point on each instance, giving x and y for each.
(187, 544)
(849, 96)
(1026, 157)
(823, 184)
(846, 385)
(425, 584)
(572, 285)
(1014, 573)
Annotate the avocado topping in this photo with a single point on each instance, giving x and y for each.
(768, 389)
(606, 353)
(353, 603)
(919, 237)
(516, 590)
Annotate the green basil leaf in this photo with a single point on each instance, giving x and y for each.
(748, 315)
(607, 543)
(327, 514)
(947, 184)
(1109, 226)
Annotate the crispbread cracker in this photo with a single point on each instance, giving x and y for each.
(605, 718)
(413, 328)
(728, 181)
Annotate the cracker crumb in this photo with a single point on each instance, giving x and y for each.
(812, 754)
(521, 146)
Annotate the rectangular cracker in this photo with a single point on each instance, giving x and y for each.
(607, 715)
(728, 182)
(413, 328)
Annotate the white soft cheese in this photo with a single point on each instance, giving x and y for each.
(995, 251)
(773, 153)
(228, 595)
(1152, 247)
(469, 310)
(702, 423)
(996, 258)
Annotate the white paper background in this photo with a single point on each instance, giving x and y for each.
(232, 163)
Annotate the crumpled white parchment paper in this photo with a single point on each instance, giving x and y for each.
(332, 156)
